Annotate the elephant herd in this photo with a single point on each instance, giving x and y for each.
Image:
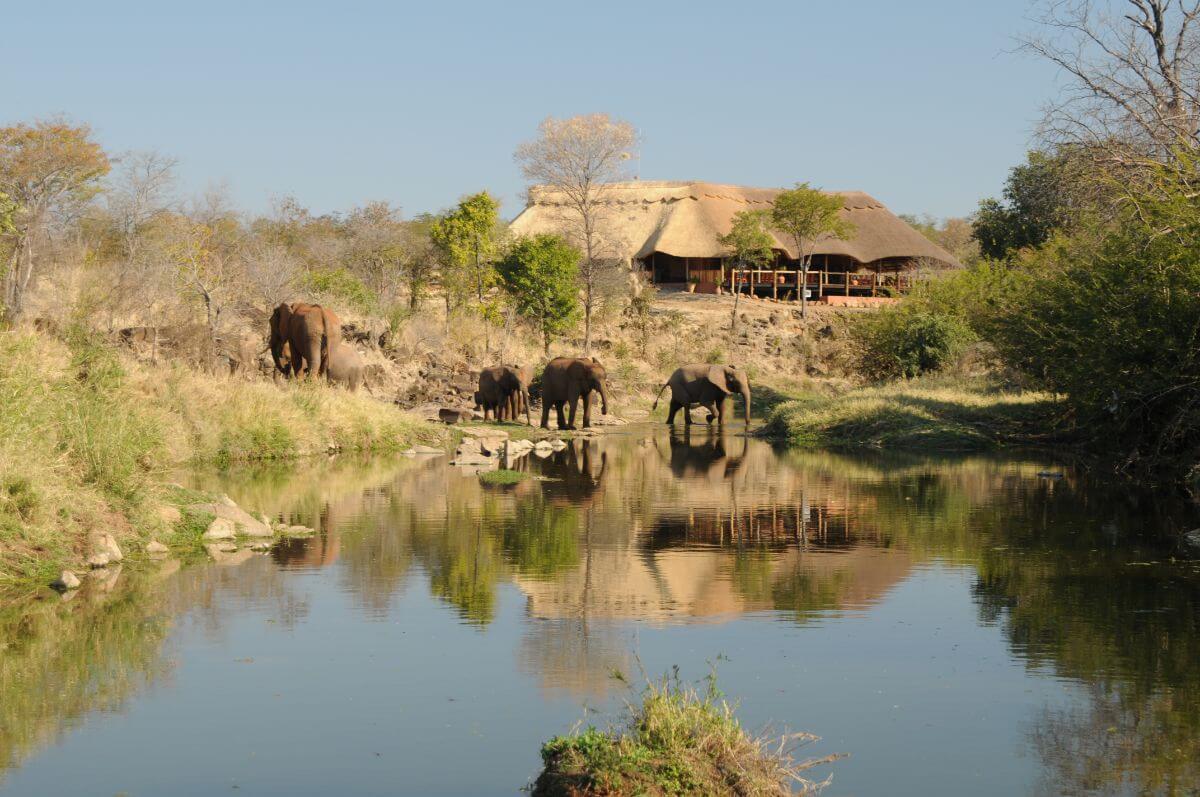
(504, 390)
(307, 338)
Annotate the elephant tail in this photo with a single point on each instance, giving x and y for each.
(660, 392)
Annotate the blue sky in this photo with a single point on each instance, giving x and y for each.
(922, 103)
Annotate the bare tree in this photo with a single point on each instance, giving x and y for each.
(271, 271)
(142, 190)
(1133, 68)
(579, 159)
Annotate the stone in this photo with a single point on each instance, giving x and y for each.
(156, 548)
(227, 501)
(295, 531)
(1193, 537)
(104, 543)
(260, 546)
(424, 450)
(66, 581)
(558, 445)
(169, 514)
(220, 529)
(452, 416)
(228, 555)
(243, 522)
(98, 560)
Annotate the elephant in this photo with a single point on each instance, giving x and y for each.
(301, 338)
(568, 379)
(345, 367)
(484, 404)
(504, 389)
(706, 385)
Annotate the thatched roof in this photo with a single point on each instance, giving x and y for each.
(685, 219)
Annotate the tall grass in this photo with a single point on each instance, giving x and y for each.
(675, 740)
(85, 435)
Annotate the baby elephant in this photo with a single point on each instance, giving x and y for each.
(345, 366)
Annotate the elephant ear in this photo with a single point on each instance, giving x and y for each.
(716, 375)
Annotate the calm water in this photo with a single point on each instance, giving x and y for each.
(958, 626)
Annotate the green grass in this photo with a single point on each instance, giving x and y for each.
(934, 413)
(675, 740)
(503, 477)
(86, 436)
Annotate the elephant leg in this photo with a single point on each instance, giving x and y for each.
(720, 412)
(687, 415)
(562, 420)
(315, 364)
(587, 409)
(574, 402)
(545, 413)
(671, 413)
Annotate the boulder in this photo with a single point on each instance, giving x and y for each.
(98, 560)
(220, 529)
(156, 548)
(243, 522)
(294, 531)
(1193, 537)
(558, 445)
(66, 581)
(103, 543)
(415, 450)
(452, 416)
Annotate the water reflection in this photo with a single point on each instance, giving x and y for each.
(668, 529)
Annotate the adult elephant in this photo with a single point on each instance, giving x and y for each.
(569, 379)
(706, 385)
(503, 389)
(301, 337)
(344, 366)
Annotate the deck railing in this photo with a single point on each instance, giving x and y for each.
(823, 283)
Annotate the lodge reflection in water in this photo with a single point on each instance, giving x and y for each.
(705, 527)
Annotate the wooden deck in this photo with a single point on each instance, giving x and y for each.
(785, 284)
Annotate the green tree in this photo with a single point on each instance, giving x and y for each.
(749, 241)
(1040, 196)
(540, 274)
(804, 215)
(467, 238)
(51, 169)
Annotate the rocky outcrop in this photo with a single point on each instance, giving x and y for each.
(242, 522)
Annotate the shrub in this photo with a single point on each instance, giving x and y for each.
(341, 285)
(907, 340)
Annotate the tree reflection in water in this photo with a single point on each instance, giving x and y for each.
(670, 528)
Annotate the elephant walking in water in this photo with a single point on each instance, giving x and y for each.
(706, 385)
(302, 335)
(569, 379)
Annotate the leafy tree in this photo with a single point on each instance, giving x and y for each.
(51, 169)
(1040, 196)
(956, 235)
(467, 237)
(540, 275)
(750, 242)
(804, 215)
(579, 159)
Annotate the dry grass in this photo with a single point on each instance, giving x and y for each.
(85, 436)
(938, 413)
(676, 740)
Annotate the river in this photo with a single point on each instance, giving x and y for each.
(983, 625)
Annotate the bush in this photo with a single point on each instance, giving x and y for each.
(907, 340)
(341, 285)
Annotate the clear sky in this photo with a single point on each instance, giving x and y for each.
(920, 103)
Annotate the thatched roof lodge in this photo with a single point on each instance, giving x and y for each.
(672, 230)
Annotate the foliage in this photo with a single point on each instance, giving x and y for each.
(904, 341)
(1110, 317)
(539, 274)
(503, 477)
(749, 240)
(677, 740)
(1040, 196)
(804, 215)
(50, 169)
(342, 285)
(467, 237)
(955, 235)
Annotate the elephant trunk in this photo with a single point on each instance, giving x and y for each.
(603, 397)
(746, 399)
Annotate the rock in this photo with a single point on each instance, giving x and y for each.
(544, 445)
(66, 581)
(156, 548)
(242, 522)
(227, 501)
(423, 450)
(558, 445)
(169, 514)
(98, 560)
(220, 529)
(294, 531)
(472, 459)
(104, 543)
(1193, 537)
(260, 546)
(105, 580)
(226, 554)
(452, 416)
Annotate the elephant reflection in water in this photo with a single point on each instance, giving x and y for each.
(704, 455)
(577, 471)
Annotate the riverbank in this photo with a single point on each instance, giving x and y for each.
(933, 413)
(86, 437)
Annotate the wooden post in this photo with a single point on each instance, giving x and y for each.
(774, 284)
